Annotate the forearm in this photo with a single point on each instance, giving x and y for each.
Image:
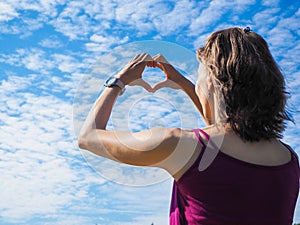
(189, 88)
(90, 137)
(93, 136)
(101, 110)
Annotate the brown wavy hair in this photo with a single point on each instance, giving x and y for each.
(250, 82)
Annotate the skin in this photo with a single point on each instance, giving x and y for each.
(172, 149)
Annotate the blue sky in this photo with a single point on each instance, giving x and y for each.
(48, 48)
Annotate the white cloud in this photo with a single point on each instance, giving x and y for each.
(32, 59)
(276, 35)
(216, 9)
(71, 22)
(67, 63)
(51, 42)
(101, 10)
(103, 43)
(173, 20)
(7, 12)
(37, 154)
(207, 17)
(36, 61)
(272, 3)
(141, 19)
(41, 62)
(266, 19)
(20, 12)
(14, 83)
(165, 18)
(45, 7)
(80, 18)
(285, 28)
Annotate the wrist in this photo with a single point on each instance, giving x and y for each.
(115, 82)
(181, 80)
(122, 79)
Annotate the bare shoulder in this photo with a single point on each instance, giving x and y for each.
(183, 155)
(264, 152)
(190, 148)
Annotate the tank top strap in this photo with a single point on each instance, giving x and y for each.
(206, 156)
(293, 153)
(206, 136)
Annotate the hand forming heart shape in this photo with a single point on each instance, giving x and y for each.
(158, 61)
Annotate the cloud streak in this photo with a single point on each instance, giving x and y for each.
(50, 45)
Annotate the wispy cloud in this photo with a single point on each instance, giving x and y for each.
(45, 179)
(104, 43)
(214, 11)
(32, 59)
(36, 149)
(51, 42)
(7, 12)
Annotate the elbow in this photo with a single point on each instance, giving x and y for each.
(83, 138)
(81, 142)
(175, 133)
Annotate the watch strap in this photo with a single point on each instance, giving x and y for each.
(113, 81)
(120, 84)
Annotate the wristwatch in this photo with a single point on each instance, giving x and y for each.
(113, 81)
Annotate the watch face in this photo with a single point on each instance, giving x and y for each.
(111, 82)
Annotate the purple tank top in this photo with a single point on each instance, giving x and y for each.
(233, 192)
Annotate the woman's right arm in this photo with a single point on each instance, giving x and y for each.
(176, 80)
(189, 88)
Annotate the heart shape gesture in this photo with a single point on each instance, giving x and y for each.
(131, 74)
(171, 73)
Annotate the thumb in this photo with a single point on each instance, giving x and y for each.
(142, 83)
(159, 85)
(166, 83)
(163, 68)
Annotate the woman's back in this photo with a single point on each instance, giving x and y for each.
(239, 187)
(265, 152)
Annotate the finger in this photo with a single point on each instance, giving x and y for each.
(166, 84)
(151, 64)
(143, 59)
(154, 64)
(172, 84)
(162, 63)
(160, 66)
(160, 58)
(146, 58)
(163, 68)
(142, 83)
(156, 58)
(159, 85)
(135, 57)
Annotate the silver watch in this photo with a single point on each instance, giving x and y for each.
(113, 81)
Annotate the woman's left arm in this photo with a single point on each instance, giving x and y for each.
(139, 148)
(99, 114)
(97, 120)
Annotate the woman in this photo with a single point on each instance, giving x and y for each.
(250, 176)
